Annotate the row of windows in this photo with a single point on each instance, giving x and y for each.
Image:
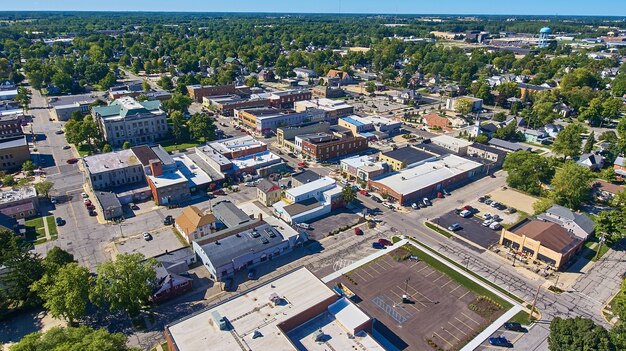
(8, 164)
(8, 156)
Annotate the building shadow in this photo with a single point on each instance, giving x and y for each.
(17, 325)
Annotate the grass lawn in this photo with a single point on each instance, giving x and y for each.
(52, 227)
(171, 145)
(521, 317)
(84, 150)
(437, 229)
(468, 283)
(37, 225)
(592, 247)
(485, 281)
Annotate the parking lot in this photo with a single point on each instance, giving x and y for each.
(437, 307)
(162, 239)
(471, 229)
(333, 221)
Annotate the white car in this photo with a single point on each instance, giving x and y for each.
(487, 216)
(465, 214)
(488, 222)
(414, 206)
(388, 205)
(84, 195)
(304, 225)
(53, 200)
(495, 226)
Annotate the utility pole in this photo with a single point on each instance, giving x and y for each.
(532, 309)
(405, 296)
(602, 239)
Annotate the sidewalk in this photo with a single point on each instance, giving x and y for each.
(46, 229)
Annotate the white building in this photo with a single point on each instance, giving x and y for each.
(309, 201)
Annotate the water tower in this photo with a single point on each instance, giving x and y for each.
(544, 36)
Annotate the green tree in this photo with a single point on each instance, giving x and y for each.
(77, 115)
(11, 245)
(349, 194)
(568, 141)
(107, 148)
(22, 271)
(8, 180)
(55, 259)
(23, 98)
(252, 81)
(28, 167)
(66, 294)
(590, 142)
(178, 123)
(608, 174)
(178, 102)
(108, 81)
(542, 205)
(482, 139)
(578, 334)
(73, 339)
(202, 126)
(44, 188)
(145, 85)
(370, 87)
(527, 171)
(165, 83)
(124, 284)
(571, 185)
(464, 106)
(612, 107)
(127, 145)
(73, 132)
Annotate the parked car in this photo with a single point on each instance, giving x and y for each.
(495, 226)
(252, 273)
(468, 208)
(87, 202)
(388, 205)
(426, 202)
(465, 214)
(93, 213)
(53, 200)
(218, 192)
(454, 227)
(510, 210)
(59, 132)
(482, 199)
(169, 220)
(499, 341)
(488, 201)
(488, 222)
(147, 236)
(291, 154)
(304, 225)
(494, 204)
(496, 218)
(414, 206)
(84, 195)
(487, 215)
(376, 199)
(385, 242)
(66, 147)
(515, 327)
(60, 221)
(72, 160)
(364, 192)
(376, 245)
(358, 231)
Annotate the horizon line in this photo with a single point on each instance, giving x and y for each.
(314, 13)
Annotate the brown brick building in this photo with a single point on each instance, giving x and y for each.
(13, 152)
(323, 146)
(197, 92)
(10, 126)
(287, 98)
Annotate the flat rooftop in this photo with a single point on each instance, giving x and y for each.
(358, 161)
(408, 155)
(194, 174)
(252, 311)
(449, 140)
(415, 178)
(257, 160)
(323, 104)
(236, 144)
(168, 178)
(111, 161)
(16, 194)
(311, 186)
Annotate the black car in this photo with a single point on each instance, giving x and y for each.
(514, 327)
(376, 199)
(60, 221)
(169, 220)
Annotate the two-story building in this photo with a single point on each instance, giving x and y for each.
(195, 225)
(322, 147)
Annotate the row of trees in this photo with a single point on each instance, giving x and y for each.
(68, 290)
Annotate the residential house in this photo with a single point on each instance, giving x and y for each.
(433, 121)
(304, 73)
(268, 192)
(193, 224)
(605, 191)
(553, 129)
(620, 166)
(171, 274)
(335, 77)
(576, 223)
(593, 161)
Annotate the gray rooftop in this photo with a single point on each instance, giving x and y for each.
(508, 145)
(408, 155)
(306, 177)
(108, 200)
(265, 185)
(229, 214)
(110, 161)
(13, 142)
(16, 194)
(224, 251)
(582, 220)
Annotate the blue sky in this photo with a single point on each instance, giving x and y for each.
(523, 7)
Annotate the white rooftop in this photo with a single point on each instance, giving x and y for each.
(251, 209)
(16, 194)
(257, 160)
(168, 178)
(358, 161)
(312, 186)
(250, 312)
(322, 103)
(449, 140)
(412, 179)
(236, 144)
(378, 120)
(194, 174)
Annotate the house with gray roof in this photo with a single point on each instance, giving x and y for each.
(229, 214)
(126, 119)
(576, 223)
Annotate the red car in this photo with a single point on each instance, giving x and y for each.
(385, 242)
(364, 192)
(358, 231)
(71, 161)
(218, 192)
(468, 208)
(302, 164)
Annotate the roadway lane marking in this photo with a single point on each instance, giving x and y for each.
(465, 324)
(443, 339)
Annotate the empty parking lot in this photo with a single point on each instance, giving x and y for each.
(472, 229)
(437, 311)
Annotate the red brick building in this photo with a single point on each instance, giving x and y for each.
(197, 92)
(286, 99)
(323, 146)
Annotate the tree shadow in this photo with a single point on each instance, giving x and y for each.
(19, 324)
